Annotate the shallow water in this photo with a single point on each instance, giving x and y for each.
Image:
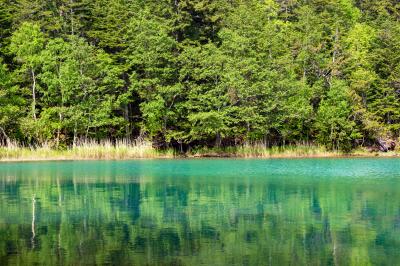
(201, 212)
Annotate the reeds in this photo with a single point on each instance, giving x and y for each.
(138, 149)
(85, 150)
(261, 150)
(302, 150)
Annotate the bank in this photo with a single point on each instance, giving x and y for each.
(145, 150)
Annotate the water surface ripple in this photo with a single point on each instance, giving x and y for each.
(201, 212)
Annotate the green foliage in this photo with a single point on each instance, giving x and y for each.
(27, 43)
(201, 72)
(334, 123)
(82, 86)
(11, 104)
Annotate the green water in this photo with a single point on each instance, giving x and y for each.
(201, 212)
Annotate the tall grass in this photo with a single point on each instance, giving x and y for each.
(84, 150)
(125, 149)
(261, 150)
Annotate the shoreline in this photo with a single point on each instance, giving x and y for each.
(328, 155)
(145, 151)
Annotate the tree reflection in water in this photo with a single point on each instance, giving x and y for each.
(186, 213)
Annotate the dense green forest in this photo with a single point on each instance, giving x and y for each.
(185, 73)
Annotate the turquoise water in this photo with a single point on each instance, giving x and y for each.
(201, 212)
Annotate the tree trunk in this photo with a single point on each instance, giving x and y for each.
(72, 18)
(218, 140)
(335, 48)
(59, 129)
(126, 117)
(7, 139)
(75, 131)
(33, 94)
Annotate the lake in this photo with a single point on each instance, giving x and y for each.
(201, 212)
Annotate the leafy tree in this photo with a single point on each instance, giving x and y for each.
(12, 106)
(335, 125)
(201, 72)
(152, 51)
(82, 89)
(56, 18)
(208, 105)
(27, 44)
(6, 19)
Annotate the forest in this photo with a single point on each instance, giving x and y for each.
(189, 73)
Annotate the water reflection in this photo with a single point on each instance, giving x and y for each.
(200, 212)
